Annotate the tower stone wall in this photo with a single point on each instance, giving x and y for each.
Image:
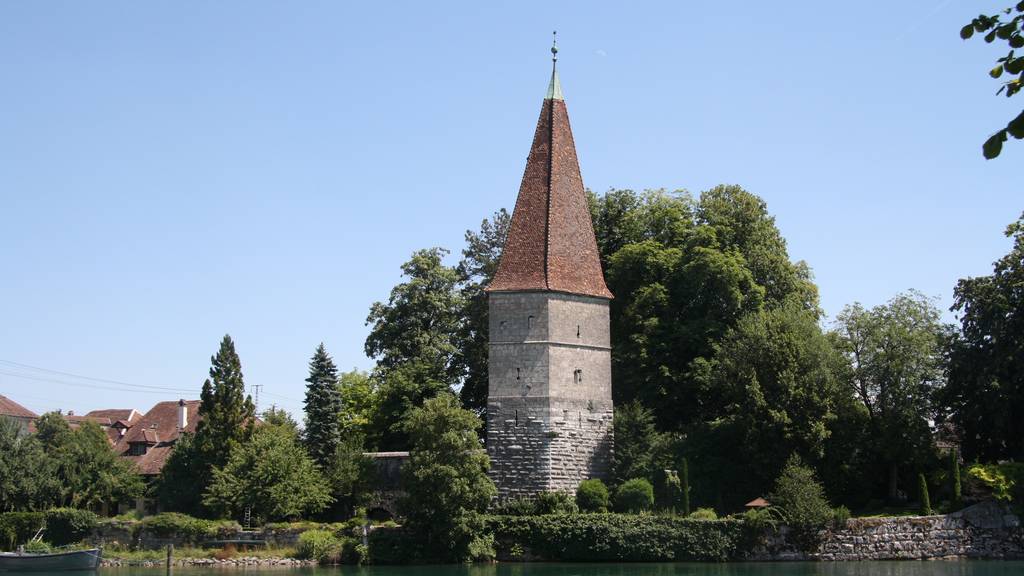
(549, 406)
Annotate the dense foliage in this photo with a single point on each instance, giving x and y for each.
(985, 394)
(270, 475)
(617, 537)
(59, 466)
(445, 480)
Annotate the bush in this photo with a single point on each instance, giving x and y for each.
(555, 503)
(353, 552)
(592, 496)
(704, 514)
(68, 526)
(801, 501)
(192, 530)
(1005, 480)
(616, 537)
(516, 507)
(320, 545)
(19, 527)
(636, 495)
(393, 545)
(669, 490)
(839, 517)
(38, 547)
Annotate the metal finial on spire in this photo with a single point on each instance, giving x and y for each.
(555, 87)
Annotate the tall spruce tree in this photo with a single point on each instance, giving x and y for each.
(226, 413)
(323, 408)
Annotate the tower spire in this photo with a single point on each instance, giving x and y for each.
(555, 87)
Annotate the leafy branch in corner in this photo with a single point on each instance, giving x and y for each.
(1011, 64)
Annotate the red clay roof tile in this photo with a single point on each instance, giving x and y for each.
(551, 243)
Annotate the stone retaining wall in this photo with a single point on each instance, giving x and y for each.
(986, 530)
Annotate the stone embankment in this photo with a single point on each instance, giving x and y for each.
(985, 530)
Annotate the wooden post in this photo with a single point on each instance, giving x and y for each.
(170, 554)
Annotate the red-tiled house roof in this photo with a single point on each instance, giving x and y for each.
(551, 243)
(11, 408)
(151, 438)
(128, 415)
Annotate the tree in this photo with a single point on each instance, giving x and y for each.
(91, 473)
(895, 352)
(801, 500)
(420, 319)
(275, 416)
(323, 408)
(226, 414)
(922, 493)
(638, 445)
(27, 476)
(350, 475)
(358, 402)
(769, 391)
(413, 338)
(476, 269)
(984, 395)
(183, 478)
(272, 475)
(445, 480)
(1012, 65)
(684, 476)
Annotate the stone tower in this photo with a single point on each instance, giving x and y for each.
(549, 406)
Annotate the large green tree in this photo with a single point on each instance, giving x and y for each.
(181, 483)
(323, 408)
(1006, 26)
(226, 412)
(358, 402)
(639, 448)
(445, 481)
(476, 269)
(769, 391)
(413, 338)
(27, 476)
(895, 353)
(84, 465)
(985, 391)
(271, 475)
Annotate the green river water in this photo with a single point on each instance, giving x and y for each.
(907, 568)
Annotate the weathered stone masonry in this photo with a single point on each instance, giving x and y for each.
(986, 530)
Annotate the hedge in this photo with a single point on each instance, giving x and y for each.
(192, 530)
(62, 526)
(616, 537)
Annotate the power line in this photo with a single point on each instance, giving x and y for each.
(96, 386)
(104, 380)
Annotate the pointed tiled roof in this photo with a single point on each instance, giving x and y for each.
(551, 244)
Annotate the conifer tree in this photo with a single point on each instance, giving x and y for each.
(954, 476)
(926, 501)
(685, 480)
(226, 413)
(323, 408)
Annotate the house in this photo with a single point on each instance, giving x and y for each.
(148, 440)
(114, 422)
(24, 417)
(121, 420)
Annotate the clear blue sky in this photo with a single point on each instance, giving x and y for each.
(172, 171)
